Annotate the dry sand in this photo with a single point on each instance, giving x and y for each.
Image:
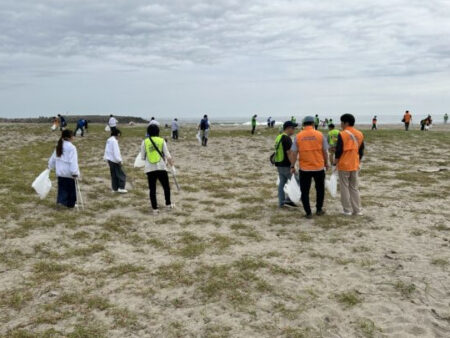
(226, 261)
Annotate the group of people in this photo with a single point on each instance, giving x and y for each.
(314, 154)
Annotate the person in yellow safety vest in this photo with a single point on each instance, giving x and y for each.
(156, 155)
(283, 144)
(332, 141)
(349, 152)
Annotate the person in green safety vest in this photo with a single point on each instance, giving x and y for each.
(293, 119)
(283, 144)
(156, 155)
(254, 123)
(333, 134)
(316, 122)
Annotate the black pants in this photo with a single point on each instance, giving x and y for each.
(316, 126)
(407, 126)
(82, 131)
(67, 194)
(253, 129)
(374, 126)
(175, 134)
(118, 177)
(113, 128)
(163, 177)
(305, 185)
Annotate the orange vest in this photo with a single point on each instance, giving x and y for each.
(349, 160)
(407, 118)
(310, 149)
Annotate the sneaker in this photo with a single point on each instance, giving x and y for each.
(360, 213)
(170, 207)
(346, 213)
(320, 212)
(114, 191)
(308, 216)
(290, 204)
(155, 212)
(122, 191)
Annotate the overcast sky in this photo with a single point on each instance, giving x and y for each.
(226, 58)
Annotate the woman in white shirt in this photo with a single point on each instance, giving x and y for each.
(65, 162)
(114, 159)
(155, 154)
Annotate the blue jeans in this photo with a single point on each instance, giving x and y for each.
(284, 173)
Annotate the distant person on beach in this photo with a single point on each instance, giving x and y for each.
(330, 121)
(293, 119)
(204, 130)
(174, 128)
(65, 162)
(155, 154)
(114, 159)
(407, 119)
(310, 148)
(112, 123)
(349, 152)
(316, 122)
(55, 123)
(153, 121)
(269, 121)
(445, 118)
(81, 124)
(333, 134)
(283, 144)
(374, 123)
(62, 122)
(254, 123)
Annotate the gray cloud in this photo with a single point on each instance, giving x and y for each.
(246, 40)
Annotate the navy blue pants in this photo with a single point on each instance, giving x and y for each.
(67, 194)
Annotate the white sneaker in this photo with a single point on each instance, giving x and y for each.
(359, 213)
(155, 212)
(122, 191)
(346, 213)
(170, 207)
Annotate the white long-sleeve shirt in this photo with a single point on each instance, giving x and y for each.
(174, 125)
(67, 164)
(153, 122)
(161, 165)
(112, 121)
(112, 150)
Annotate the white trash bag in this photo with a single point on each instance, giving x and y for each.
(54, 127)
(42, 184)
(107, 128)
(199, 138)
(331, 184)
(139, 162)
(78, 132)
(292, 189)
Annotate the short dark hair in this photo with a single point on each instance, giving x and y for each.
(348, 118)
(111, 115)
(205, 116)
(331, 126)
(308, 123)
(153, 130)
(116, 132)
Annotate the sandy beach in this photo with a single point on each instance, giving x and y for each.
(226, 262)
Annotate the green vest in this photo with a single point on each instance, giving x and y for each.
(253, 121)
(333, 137)
(152, 155)
(316, 120)
(293, 120)
(279, 152)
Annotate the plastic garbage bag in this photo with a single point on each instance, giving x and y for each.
(292, 189)
(42, 184)
(107, 128)
(78, 132)
(199, 138)
(331, 184)
(139, 162)
(54, 127)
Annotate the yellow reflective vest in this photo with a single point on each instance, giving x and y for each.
(153, 155)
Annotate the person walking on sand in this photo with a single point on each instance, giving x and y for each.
(62, 122)
(175, 128)
(333, 134)
(283, 144)
(204, 129)
(316, 122)
(349, 152)
(407, 119)
(310, 148)
(65, 162)
(445, 118)
(374, 123)
(112, 123)
(153, 121)
(254, 123)
(155, 154)
(114, 159)
(293, 119)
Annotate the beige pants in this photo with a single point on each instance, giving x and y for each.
(348, 180)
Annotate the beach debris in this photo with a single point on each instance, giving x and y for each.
(432, 170)
(42, 184)
(292, 189)
(331, 184)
